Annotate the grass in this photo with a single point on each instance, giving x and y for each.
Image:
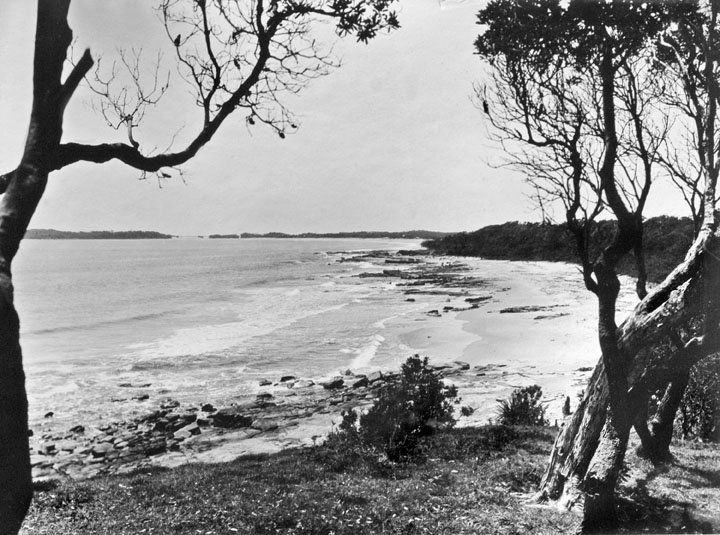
(466, 481)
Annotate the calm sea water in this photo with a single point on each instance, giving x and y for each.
(199, 320)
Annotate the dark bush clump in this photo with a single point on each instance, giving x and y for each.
(523, 408)
(699, 413)
(405, 411)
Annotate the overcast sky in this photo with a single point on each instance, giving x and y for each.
(390, 141)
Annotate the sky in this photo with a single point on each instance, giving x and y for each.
(389, 141)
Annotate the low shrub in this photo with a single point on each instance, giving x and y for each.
(523, 407)
(404, 412)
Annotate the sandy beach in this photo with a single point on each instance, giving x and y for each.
(496, 326)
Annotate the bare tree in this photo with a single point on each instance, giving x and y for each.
(236, 54)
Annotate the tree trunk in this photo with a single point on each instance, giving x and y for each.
(24, 190)
(665, 309)
(655, 439)
(15, 482)
(599, 515)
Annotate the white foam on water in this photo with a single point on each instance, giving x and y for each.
(367, 353)
(381, 324)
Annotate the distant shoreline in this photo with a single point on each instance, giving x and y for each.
(52, 234)
(375, 235)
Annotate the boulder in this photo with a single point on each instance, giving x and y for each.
(264, 424)
(101, 449)
(169, 403)
(186, 432)
(374, 376)
(331, 384)
(231, 418)
(306, 383)
(460, 365)
(156, 446)
(208, 407)
(264, 382)
(286, 378)
(359, 382)
(77, 429)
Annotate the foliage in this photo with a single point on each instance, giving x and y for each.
(404, 412)
(523, 407)
(665, 242)
(699, 413)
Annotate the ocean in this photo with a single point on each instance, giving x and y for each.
(199, 320)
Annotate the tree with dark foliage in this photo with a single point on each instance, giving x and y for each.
(574, 87)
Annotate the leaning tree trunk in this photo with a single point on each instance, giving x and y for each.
(666, 308)
(656, 443)
(24, 188)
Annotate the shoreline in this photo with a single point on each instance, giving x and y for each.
(489, 338)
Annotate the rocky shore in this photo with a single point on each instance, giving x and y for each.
(174, 434)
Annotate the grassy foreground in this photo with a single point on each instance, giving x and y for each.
(468, 481)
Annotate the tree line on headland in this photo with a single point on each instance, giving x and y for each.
(52, 234)
(377, 235)
(665, 241)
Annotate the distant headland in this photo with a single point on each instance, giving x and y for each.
(52, 234)
(375, 235)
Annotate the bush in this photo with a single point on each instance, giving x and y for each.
(523, 408)
(404, 412)
(699, 413)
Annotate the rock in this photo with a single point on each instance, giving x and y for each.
(203, 422)
(374, 376)
(477, 300)
(231, 418)
(459, 364)
(78, 429)
(156, 446)
(141, 397)
(264, 424)
(66, 445)
(331, 384)
(130, 385)
(348, 372)
(264, 396)
(30, 432)
(286, 378)
(410, 300)
(49, 414)
(264, 382)
(37, 460)
(187, 432)
(526, 308)
(101, 449)
(169, 403)
(359, 382)
(48, 448)
(208, 407)
(306, 383)
(433, 313)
